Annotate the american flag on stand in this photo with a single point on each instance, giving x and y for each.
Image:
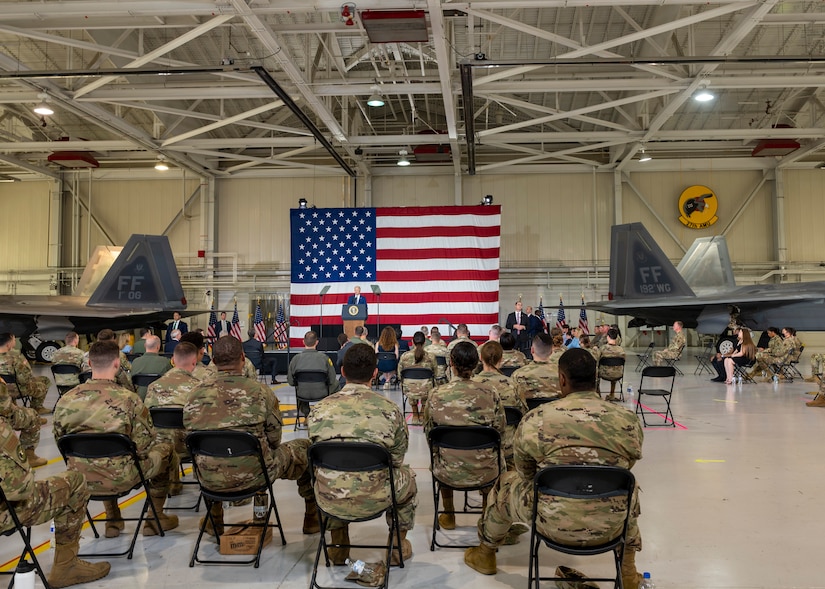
(260, 326)
(583, 318)
(280, 334)
(213, 321)
(560, 317)
(235, 330)
(540, 314)
(433, 265)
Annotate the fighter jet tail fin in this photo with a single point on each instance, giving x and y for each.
(639, 267)
(143, 276)
(706, 266)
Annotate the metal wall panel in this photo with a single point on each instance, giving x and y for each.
(24, 240)
(413, 191)
(804, 215)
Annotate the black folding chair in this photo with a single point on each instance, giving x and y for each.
(171, 418)
(100, 446)
(362, 457)
(441, 361)
(704, 359)
(508, 370)
(84, 376)
(26, 534)
(64, 369)
(741, 372)
(644, 359)
(587, 483)
(475, 438)
(513, 415)
(612, 362)
(307, 385)
(787, 367)
(11, 379)
(143, 381)
(657, 372)
(534, 402)
(414, 373)
(388, 357)
(672, 361)
(230, 445)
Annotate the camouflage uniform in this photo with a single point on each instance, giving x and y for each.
(440, 349)
(503, 385)
(556, 354)
(69, 355)
(513, 358)
(415, 389)
(122, 377)
(673, 351)
(611, 373)
(249, 370)
(595, 352)
(465, 402)
(101, 406)
(62, 498)
(817, 360)
(234, 402)
(580, 428)
(457, 341)
(172, 390)
(358, 414)
(35, 387)
(203, 372)
(23, 419)
(537, 380)
(772, 355)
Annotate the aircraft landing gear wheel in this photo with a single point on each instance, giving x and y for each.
(45, 351)
(726, 345)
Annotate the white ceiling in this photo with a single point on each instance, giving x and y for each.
(561, 84)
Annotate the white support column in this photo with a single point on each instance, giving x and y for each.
(779, 218)
(617, 197)
(457, 189)
(54, 256)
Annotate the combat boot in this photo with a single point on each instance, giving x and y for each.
(70, 570)
(630, 576)
(42, 410)
(311, 525)
(447, 520)
(114, 520)
(482, 558)
(406, 550)
(818, 401)
(339, 555)
(167, 522)
(216, 511)
(416, 416)
(33, 459)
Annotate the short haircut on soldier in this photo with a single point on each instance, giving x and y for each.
(103, 352)
(359, 364)
(184, 352)
(342, 339)
(495, 330)
(227, 351)
(580, 368)
(464, 358)
(106, 334)
(773, 329)
(72, 337)
(5, 338)
(507, 340)
(542, 345)
(612, 333)
(193, 337)
(310, 339)
(144, 330)
(491, 353)
(462, 329)
(359, 330)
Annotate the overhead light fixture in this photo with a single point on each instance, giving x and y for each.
(487, 200)
(4, 178)
(43, 108)
(375, 99)
(703, 94)
(644, 157)
(821, 166)
(161, 165)
(403, 160)
(302, 203)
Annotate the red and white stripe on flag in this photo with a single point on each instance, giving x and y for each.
(433, 265)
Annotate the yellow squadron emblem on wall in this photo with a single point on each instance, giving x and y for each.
(697, 207)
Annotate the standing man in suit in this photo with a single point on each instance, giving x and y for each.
(357, 299)
(175, 324)
(517, 323)
(222, 327)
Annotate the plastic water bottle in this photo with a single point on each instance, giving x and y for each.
(259, 507)
(775, 379)
(51, 535)
(647, 582)
(24, 575)
(359, 567)
(629, 396)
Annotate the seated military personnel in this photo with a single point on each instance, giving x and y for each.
(100, 405)
(248, 371)
(540, 379)
(150, 363)
(358, 414)
(462, 334)
(122, 377)
(578, 428)
(172, 390)
(201, 370)
(417, 390)
(511, 357)
(69, 354)
(311, 360)
(230, 401)
(62, 498)
(25, 420)
(674, 350)
(613, 374)
(14, 363)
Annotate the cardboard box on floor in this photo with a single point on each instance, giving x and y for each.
(243, 539)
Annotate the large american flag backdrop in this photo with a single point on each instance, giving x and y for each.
(431, 264)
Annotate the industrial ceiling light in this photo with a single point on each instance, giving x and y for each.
(644, 157)
(161, 165)
(403, 160)
(703, 94)
(43, 108)
(302, 203)
(487, 200)
(375, 99)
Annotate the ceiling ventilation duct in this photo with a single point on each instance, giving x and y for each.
(395, 26)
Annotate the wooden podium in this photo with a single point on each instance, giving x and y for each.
(353, 316)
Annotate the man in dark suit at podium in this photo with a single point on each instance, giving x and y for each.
(357, 299)
(176, 323)
(223, 326)
(517, 323)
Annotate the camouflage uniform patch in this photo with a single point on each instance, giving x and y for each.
(537, 380)
(612, 373)
(503, 385)
(673, 351)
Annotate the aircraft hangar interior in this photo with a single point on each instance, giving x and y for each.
(607, 136)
